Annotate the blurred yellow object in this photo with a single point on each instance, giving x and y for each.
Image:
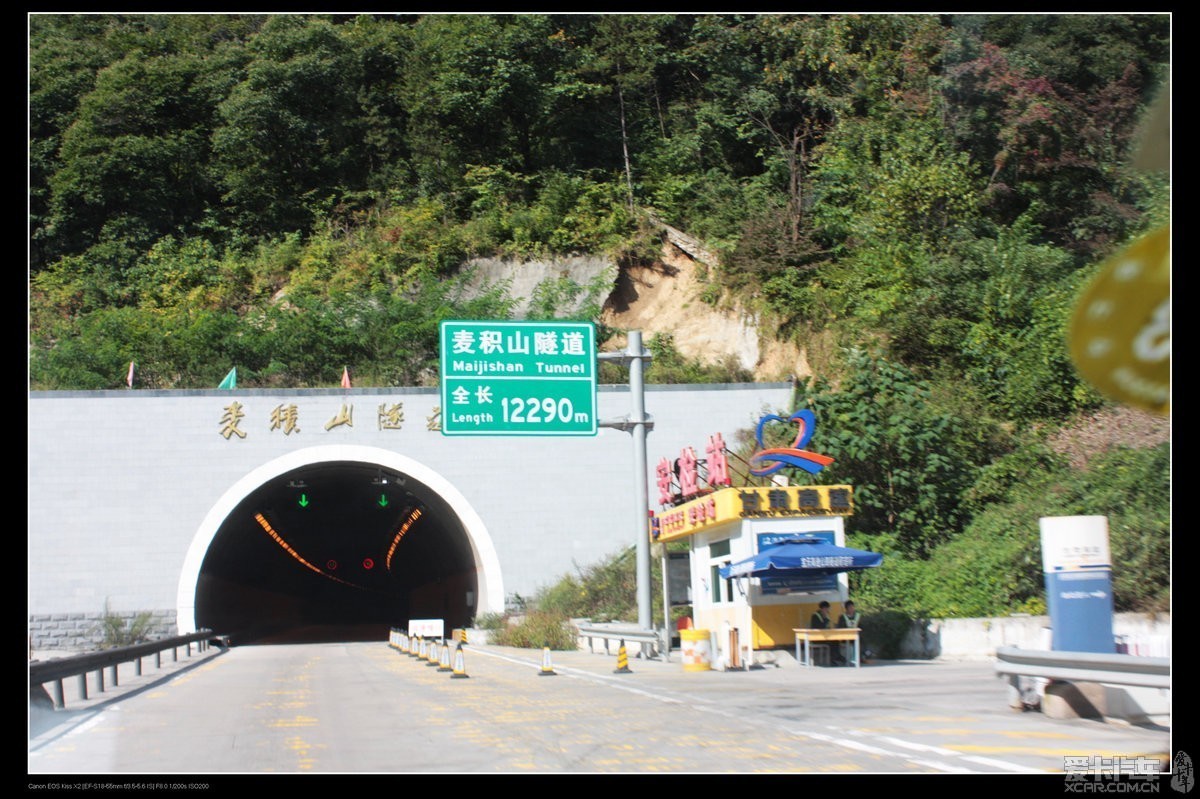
(1154, 142)
(1120, 337)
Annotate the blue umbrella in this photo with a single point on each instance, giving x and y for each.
(796, 557)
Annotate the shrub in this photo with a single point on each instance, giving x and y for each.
(490, 621)
(121, 630)
(603, 591)
(668, 365)
(539, 629)
(883, 633)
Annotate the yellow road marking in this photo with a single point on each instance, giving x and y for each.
(297, 721)
(967, 731)
(1032, 750)
(1020, 734)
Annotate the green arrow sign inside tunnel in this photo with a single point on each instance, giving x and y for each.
(383, 500)
(303, 501)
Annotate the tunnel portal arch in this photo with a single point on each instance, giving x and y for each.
(487, 567)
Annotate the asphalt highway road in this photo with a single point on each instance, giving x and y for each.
(368, 708)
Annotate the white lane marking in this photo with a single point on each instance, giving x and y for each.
(38, 744)
(587, 675)
(937, 750)
(983, 761)
(944, 767)
(833, 739)
(836, 740)
(841, 741)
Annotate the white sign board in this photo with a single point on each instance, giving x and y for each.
(1071, 543)
(427, 628)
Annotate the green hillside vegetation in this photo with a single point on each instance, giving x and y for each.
(926, 194)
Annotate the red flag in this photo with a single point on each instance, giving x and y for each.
(129, 377)
(345, 377)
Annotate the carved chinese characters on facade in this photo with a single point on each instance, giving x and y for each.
(229, 421)
(344, 416)
(390, 418)
(287, 418)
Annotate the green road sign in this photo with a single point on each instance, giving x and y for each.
(518, 378)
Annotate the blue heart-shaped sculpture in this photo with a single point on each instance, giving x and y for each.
(806, 419)
(778, 457)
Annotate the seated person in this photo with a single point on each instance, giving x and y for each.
(820, 619)
(847, 621)
(849, 617)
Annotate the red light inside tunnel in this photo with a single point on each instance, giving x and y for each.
(368, 563)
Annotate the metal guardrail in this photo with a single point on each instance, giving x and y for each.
(56, 670)
(1096, 667)
(619, 634)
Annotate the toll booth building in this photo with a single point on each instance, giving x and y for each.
(749, 614)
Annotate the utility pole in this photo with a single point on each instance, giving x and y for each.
(638, 423)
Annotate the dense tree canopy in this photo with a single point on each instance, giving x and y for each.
(214, 190)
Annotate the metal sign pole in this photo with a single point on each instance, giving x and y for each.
(638, 418)
(637, 423)
(666, 595)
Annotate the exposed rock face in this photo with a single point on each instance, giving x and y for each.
(665, 298)
(1105, 429)
(523, 281)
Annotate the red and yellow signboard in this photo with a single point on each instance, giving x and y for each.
(734, 504)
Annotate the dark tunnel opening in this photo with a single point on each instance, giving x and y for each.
(336, 551)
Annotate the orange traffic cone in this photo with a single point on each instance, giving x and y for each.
(431, 654)
(444, 660)
(547, 669)
(460, 670)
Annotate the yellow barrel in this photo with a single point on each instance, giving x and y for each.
(697, 652)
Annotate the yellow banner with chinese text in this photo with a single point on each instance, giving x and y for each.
(734, 504)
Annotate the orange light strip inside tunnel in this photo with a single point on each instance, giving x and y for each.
(288, 548)
(412, 517)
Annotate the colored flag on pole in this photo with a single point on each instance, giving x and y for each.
(345, 377)
(230, 380)
(129, 377)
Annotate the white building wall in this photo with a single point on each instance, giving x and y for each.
(120, 482)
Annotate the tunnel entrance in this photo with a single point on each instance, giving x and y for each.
(337, 550)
